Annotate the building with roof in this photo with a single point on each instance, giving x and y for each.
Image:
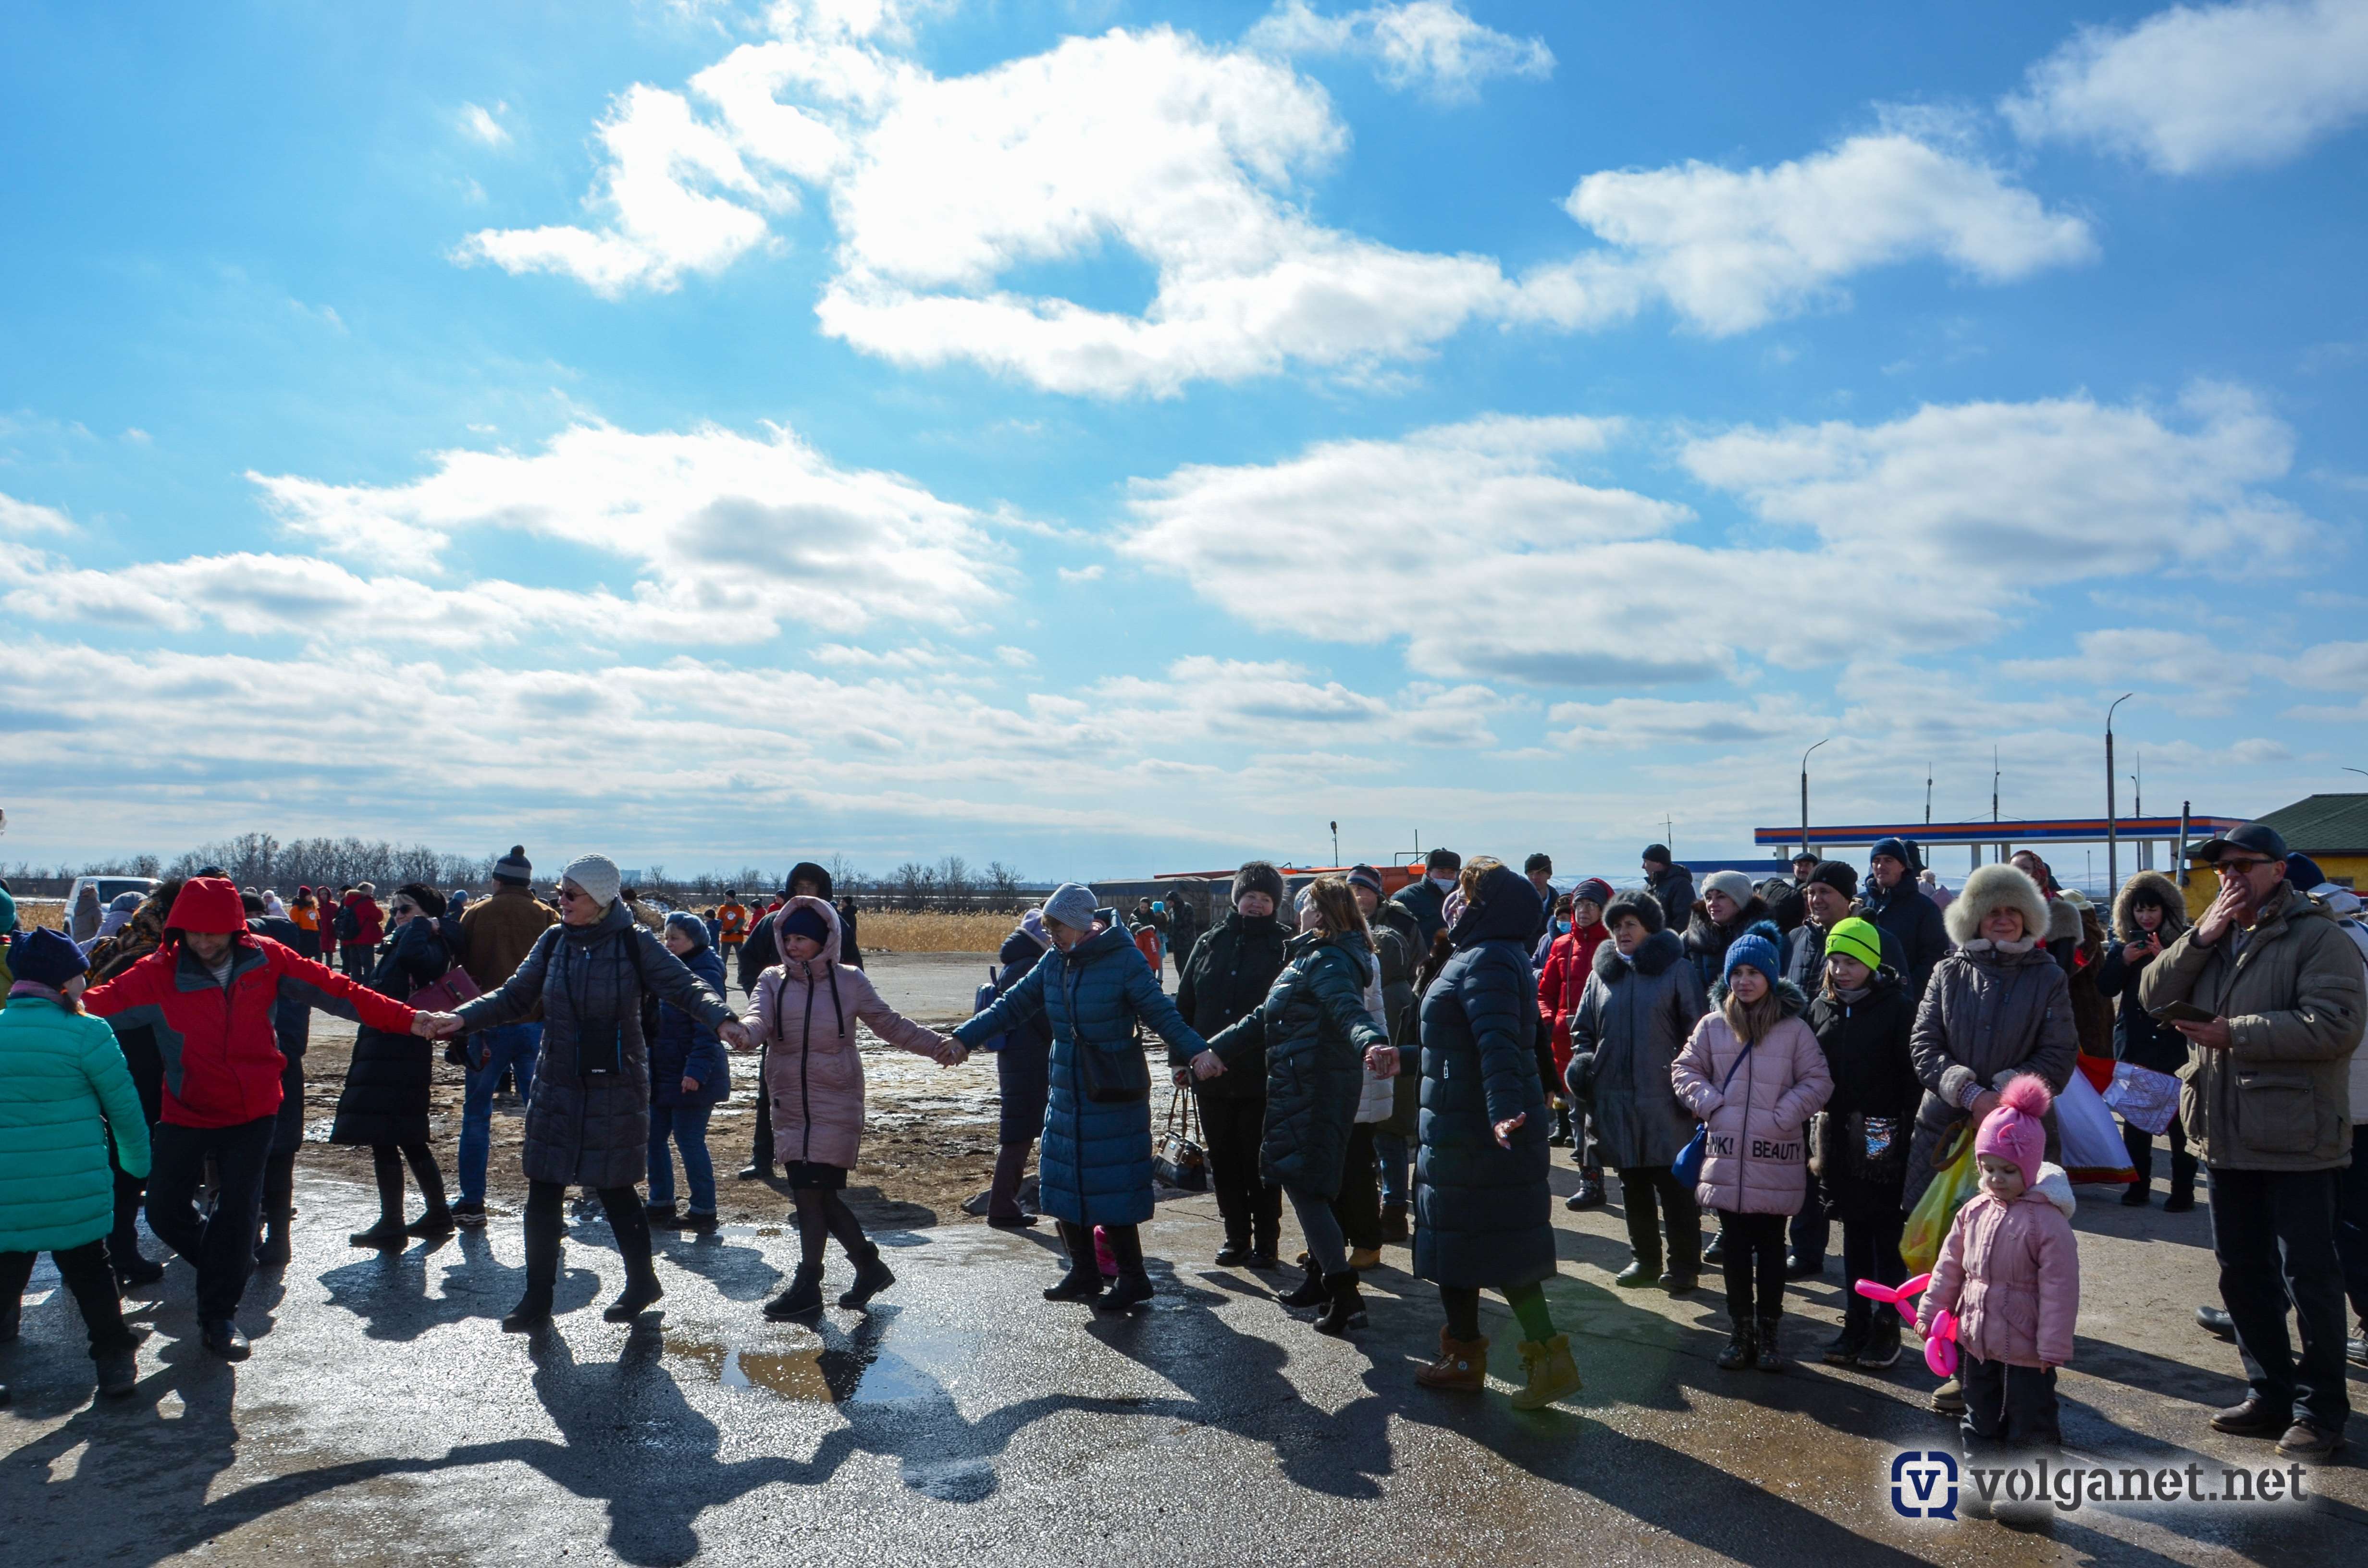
(2331, 830)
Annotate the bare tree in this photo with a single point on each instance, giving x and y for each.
(954, 884)
(1003, 885)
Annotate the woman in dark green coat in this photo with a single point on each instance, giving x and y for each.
(1314, 1032)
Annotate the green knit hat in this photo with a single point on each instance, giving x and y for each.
(1856, 937)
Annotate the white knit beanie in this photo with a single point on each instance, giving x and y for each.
(596, 875)
(1734, 884)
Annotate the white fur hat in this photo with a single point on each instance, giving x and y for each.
(1997, 887)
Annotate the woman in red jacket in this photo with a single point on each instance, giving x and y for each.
(206, 996)
(1560, 986)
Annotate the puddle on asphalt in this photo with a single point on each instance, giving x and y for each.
(815, 1368)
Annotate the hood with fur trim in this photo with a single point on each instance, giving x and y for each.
(2167, 894)
(2064, 923)
(1999, 887)
(1653, 954)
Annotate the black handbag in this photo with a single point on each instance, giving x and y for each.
(1178, 1160)
(1114, 1077)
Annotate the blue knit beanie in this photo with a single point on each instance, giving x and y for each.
(1757, 950)
(690, 925)
(44, 957)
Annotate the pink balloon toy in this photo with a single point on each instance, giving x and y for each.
(1940, 1344)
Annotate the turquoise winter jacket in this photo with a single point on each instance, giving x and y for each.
(58, 1072)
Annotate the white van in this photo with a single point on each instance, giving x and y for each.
(109, 889)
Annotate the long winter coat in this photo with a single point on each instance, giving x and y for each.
(1707, 939)
(1630, 1023)
(1987, 1017)
(1569, 961)
(805, 1015)
(2011, 1273)
(588, 1123)
(1866, 1047)
(1230, 973)
(1757, 1158)
(1095, 1166)
(1481, 1210)
(2137, 1038)
(59, 1071)
(2279, 1097)
(216, 1048)
(1023, 1066)
(683, 1049)
(1314, 1030)
(386, 1092)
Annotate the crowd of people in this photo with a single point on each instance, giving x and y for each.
(1788, 1056)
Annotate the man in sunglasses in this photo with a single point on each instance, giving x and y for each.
(2276, 995)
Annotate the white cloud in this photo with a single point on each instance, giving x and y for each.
(1081, 573)
(1732, 250)
(1634, 724)
(25, 518)
(2197, 89)
(658, 198)
(1430, 45)
(717, 524)
(482, 124)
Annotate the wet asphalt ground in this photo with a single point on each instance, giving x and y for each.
(384, 1417)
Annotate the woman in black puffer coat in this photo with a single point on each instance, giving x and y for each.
(2149, 915)
(1315, 1032)
(1024, 1075)
(384, 1102)
(589, 1124)
(1480, 1179)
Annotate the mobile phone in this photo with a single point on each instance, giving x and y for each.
(2182, 1013)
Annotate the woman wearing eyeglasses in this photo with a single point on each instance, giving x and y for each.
(589, 1124)
(384, 1102)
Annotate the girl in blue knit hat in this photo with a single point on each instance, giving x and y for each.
(1753, 1074)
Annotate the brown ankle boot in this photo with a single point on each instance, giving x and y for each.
(1462, 1364)
(1551, 1372)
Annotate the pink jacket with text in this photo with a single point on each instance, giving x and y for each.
(1759, 1152)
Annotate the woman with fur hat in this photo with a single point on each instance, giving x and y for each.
(1641, 1003)
(384, 1102)
(806, 1010)
(1730, 906)
(2149, 915)
(1996, 1010)
(1753, 1074)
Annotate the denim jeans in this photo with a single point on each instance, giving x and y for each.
(511, 1047)
(687, 1125)
(1392, 1149)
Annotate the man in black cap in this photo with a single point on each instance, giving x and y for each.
(1230, 969)
(1672, 885)
(1893, 902)
(1427, 900)
(2267, 1104)
(1783, 894)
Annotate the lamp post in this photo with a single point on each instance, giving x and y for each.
(2112, 839)
(1335, 843)
(1804, 796)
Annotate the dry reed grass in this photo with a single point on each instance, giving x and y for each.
(49, 912)
(933, 931)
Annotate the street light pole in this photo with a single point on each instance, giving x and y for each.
(1335, 843)
(1804, 796)
(2112, 839)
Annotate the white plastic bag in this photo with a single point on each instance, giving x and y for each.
(2145, 1098)
(2092, 1144)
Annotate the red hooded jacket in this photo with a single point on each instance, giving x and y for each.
(222, 1056)
(1564, 979)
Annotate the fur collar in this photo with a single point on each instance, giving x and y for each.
(2166, 893)
(1653, 954)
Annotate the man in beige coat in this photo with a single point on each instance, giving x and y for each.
(2266, 1104)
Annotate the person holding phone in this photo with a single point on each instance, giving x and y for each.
(2267, 1104)
(2149, 915)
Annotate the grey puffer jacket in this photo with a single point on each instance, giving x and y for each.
(1625, 1034)
(588, 1123)
(1987, 1016)
(2278, 1098)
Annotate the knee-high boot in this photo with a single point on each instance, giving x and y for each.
(1082, 1282)
(544, 1228)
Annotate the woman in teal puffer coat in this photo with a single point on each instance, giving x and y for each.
(1095, 1165)
(60, 1071)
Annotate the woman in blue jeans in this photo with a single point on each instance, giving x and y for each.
(689, 1077)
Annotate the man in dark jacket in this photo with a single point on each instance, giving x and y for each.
(1672, 885)
(497, 934)
(1784, 896)
(1427, 900)
(1184, 925)
(1893, 902)
(1229, 974)
(1539, 868)
(760, 952)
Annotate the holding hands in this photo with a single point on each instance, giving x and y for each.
(436, 1026)
(951, 1053)
(1381, 1061)
(736, 1035)
(1207, 1066)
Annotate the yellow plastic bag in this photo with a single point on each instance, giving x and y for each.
(1929, 1222)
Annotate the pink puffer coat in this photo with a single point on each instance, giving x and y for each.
(1759, 1152)
(2011, 1273)
(805, 1015)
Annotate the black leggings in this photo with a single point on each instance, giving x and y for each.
(1528, 1302)
(387, 1161)
(1753, 1244)
(88, 1279)
(546, 1229)
(822, 1213)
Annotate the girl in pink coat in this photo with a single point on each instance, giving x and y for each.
(804, 1012)
(1754, 1073)
(2011, 1270)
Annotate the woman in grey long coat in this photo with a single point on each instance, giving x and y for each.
(589, 1124)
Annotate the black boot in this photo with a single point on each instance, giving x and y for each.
(274, 1251)
(803, 1298)
(1741, 1350)
(872, 1276)
(1772, 1357)
(1346, 1309)
(1133, 1289)
(1082, 1282)
(387, 1233)
(542, 1242)
(643, 1291)
(1312, 1291)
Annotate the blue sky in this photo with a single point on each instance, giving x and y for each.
(1109, 436)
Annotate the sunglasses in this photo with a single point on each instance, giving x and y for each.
(2226, 864)
(569, 896)
(404, 908)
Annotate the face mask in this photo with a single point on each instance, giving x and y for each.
(1444, 884)
(1562, 927)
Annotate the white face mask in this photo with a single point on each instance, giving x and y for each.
(1444, 884)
